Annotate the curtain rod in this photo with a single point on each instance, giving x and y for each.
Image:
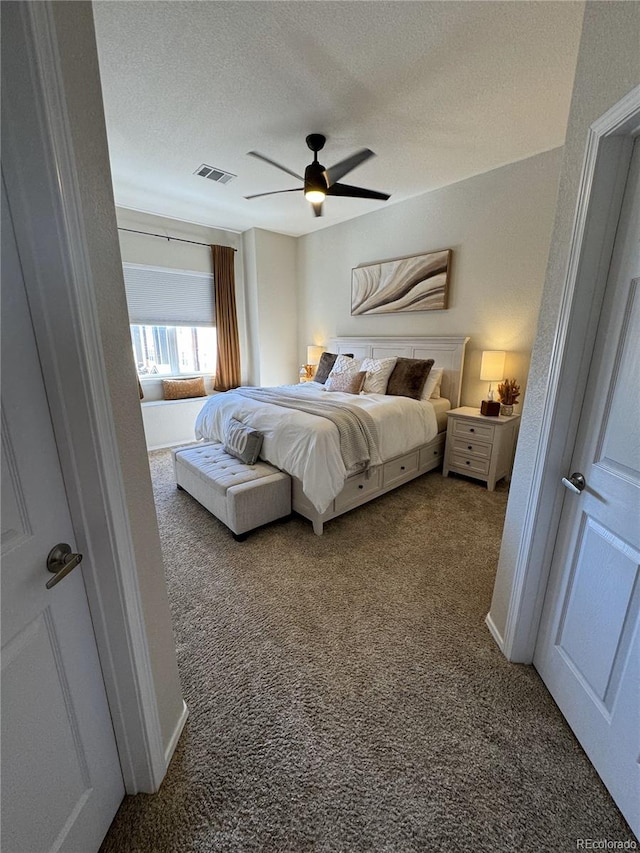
(165, 237)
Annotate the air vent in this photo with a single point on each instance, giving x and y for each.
(213, 174)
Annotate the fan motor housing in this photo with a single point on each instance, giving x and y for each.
(314, 178)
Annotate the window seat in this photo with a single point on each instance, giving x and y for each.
(170, 422)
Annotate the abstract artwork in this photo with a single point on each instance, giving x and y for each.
(419, 283)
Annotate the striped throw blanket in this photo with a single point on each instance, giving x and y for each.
(357, 429)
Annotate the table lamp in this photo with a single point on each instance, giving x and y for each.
(313, 357)
(491, 370)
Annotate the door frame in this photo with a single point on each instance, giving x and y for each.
(57, 271)
(604, 173)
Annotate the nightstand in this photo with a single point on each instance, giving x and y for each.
(480, 446)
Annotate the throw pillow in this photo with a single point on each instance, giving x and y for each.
(181, 389)
(349, 383)
(431, 390)
(409, 377)
(325, 365)
(242, 441)
(378, 372)
(345, 364)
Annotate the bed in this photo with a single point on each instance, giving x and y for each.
(409, 434)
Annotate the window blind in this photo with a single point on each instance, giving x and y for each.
(157, 296)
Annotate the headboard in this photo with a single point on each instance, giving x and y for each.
(446, 352)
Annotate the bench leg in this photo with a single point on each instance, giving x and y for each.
(179, 487)
(318, 527)
(239, 537)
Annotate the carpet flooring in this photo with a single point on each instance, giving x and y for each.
(345, 695)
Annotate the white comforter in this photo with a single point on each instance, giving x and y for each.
(307, 446)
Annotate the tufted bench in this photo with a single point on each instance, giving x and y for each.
(241, 496)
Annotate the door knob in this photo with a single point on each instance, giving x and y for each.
(575, 483)
(60, 562)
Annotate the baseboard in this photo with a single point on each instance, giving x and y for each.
(184, 441)
(175, 737)
(497, 636)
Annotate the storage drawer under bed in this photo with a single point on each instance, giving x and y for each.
(357, 487)
(399, 469)
(432, 452)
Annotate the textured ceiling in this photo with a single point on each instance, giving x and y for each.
(439, 90)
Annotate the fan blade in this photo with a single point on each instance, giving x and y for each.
(273, 163)
(317, 208)
(334, 173)
(275, 192)
(356, 192)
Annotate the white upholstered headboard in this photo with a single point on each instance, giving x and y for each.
(446, 352)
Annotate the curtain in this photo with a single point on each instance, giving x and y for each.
(224, 285)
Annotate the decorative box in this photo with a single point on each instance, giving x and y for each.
(490, 408)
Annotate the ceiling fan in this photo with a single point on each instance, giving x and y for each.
(320, 182)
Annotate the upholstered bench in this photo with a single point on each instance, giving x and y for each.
(241, 496)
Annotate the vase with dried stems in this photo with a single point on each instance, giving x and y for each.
(508, 392)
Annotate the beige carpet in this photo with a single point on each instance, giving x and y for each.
(345, 694)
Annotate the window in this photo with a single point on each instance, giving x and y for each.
(172, 350)
(172, 317)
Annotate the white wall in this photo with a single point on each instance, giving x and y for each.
(170, 422)
(272, 299)
(498, 225)
(83, 103)
(608, 68)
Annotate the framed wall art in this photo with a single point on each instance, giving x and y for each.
(417, 283)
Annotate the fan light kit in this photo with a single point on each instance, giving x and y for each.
(320, 182)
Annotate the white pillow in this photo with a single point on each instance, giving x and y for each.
(344, 364)
(378, 372)
(431, 390)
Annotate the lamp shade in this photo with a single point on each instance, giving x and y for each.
(492, 366)
(314, 353)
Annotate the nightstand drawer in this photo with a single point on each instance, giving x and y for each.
(472, 429)
(469, 463)
(356, 488)
(399, 468)
(471, 447)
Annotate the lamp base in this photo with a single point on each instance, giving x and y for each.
(491, 408)
(307, 371)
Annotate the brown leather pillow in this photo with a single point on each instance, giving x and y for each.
(408, 377)
(181, 389)
(327, 360)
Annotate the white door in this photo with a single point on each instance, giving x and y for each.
(588, 649)
(61, 779)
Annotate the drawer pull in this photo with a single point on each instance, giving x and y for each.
(468, 463)
(361, 486)
(471, 429)
(402, 467)
(469, 446)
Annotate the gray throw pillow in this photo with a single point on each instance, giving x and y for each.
(408, 377)
(327, 360)
(242, 441)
